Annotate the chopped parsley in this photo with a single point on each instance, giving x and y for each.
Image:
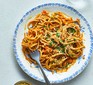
(67, 65)
(53, 40)
(74, 39)
(71, 30)
(61, 41)
(71, 55)
(58, 48)
(51, 43)
(63, 50)
(48, 35)
(44, 26)
(58, 34)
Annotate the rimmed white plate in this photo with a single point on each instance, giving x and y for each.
(33, 71)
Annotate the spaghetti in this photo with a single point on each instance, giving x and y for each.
(58, 39)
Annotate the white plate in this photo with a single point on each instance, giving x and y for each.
(34, 72)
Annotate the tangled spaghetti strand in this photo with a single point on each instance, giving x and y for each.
(58, 39)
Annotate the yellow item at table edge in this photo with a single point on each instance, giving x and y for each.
(22, 83)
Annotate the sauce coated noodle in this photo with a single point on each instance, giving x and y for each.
(58, 39)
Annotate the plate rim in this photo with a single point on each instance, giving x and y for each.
(17, 56)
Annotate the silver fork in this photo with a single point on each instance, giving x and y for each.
(35, 55)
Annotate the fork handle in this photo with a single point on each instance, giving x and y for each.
(45, 77)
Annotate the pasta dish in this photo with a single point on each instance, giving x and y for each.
(57, 37)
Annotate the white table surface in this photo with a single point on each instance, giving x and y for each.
(11, 11)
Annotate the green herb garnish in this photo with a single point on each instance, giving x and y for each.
(74, 39)
(61, 41)
(67, 65)
(58, 48)
(46, 38)
(48, 26)
(63, 46)
(51, 43)
(58, 34)
(48, 35)
(70, 55)
(71, 30)
(44, 26)
(53, 40)
(63, 50)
